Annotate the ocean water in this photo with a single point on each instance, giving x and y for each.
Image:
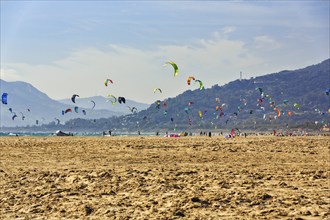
(41, 134)
(49, 134)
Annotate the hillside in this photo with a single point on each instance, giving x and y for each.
(25, 100)
(304, 87)
(289, 98)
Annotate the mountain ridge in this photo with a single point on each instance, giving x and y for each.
(26, 100)
(304, 87)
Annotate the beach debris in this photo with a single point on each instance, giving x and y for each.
(266, 196)
(88, 209)
(179, 213)
(196, 199)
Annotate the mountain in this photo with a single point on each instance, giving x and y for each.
(289, 98)
(300, 92)
(26, 100)
(103, 103)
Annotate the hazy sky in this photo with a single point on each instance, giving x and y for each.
(67, 47)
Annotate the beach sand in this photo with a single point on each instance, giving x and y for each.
(165, 178)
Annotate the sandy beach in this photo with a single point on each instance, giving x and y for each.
(165, 178)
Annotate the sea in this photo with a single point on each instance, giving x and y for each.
(82, 134)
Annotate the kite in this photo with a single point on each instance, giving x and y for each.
(158, 104)
(4, 98)
(200, 84)
(133, 109)
(115, 99)
(58, 120)
(176, 69)
(260, 90)
(297, 106)
(68, 110)
(76, 109)
(73, 98)
(107, 81)
(93, 104)
(272, 104)
(244, 101)
(157, 89)
(121, 100)
(218, 107)
(84, 112)
(327, 91)
(278, 112)
(260, 101)
(14, 116)
(189, 79)
(23, 117)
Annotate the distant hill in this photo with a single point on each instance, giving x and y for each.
(102, 103)
(26, 100)
(304, 87)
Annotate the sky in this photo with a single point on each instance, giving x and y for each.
(71, 47)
